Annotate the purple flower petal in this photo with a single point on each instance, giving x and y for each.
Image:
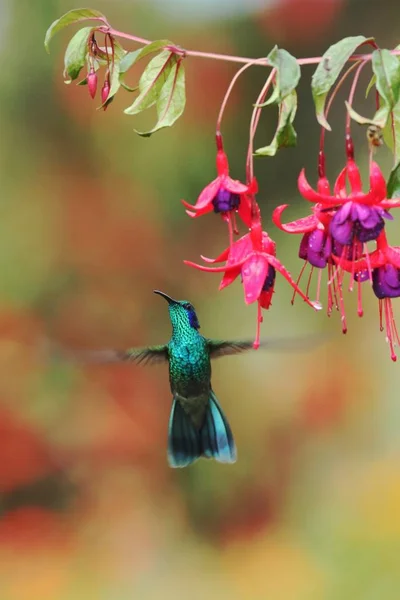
(303, 249)
(316, 259)
(270, 279)
(341, 231)
(225, 201)
(386, 281)
(316, 240)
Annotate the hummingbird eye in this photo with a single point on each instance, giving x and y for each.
(188, 306)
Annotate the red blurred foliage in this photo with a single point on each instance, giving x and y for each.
(258, 504)
(24, 454)
(324, 406)
(299, 21)
(20, 326)
(101, 239)
(33, 529)
(129, 425)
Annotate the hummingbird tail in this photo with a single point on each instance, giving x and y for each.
(214, 440)
(216, 435)
(183, 438)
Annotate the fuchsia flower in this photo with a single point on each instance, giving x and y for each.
(253, 257)
(385, 265)
(223, 195)
(316, 248)
(340, 225)
(358, 216)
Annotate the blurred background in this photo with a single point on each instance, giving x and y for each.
(90, 223)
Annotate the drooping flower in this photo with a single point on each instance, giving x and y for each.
(253, 257)
(223, 195)
(316, 248)
(357, 216)
(383, 267)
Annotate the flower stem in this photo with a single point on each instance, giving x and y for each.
(255, 117)
(314, 60)
(352, 93)
(331, 99)
(260, 61)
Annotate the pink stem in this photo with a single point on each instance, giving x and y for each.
(255, 117)
(256, 343)
(227, 57)
(331, 99)
(352, 92)
(260, 61)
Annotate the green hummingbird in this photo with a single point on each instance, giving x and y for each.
(197, 424)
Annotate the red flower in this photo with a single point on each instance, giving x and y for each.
(253, 257)
(358, 216)
(382, 267)
(223, 195)
(317, 248)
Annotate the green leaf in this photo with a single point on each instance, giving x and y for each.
(132, 57)
(393, 185)
(75, 54)
(171, 101)
(287, 74)
(391, 134)
(73, 16)
(114, 85)
(386, 68)
(328, 71)
(285, 135)
(370, 85)
(127, 87)
(152, 80)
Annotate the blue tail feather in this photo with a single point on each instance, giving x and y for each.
(183, 438)
(213, 440)
(216, 435)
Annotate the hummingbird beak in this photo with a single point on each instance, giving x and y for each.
(167, 298)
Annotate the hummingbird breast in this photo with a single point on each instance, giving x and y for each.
(190, 368)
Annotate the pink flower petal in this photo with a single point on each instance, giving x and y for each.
(229, 278)
(208, 194)
(193, 212)
(390, 203)
(377, 182)
(393, 256)
(302, 225)
(283, 271)
(323, 186)
(354, 177)
(240, 250)
(312, 196)
(245, 210)
(234, 186)
(221, 269)
(254, 273)
(340, 184)
(223, 256)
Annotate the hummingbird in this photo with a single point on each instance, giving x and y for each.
(197, 425)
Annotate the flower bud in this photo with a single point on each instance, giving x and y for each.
(105, 90)
(92, 82)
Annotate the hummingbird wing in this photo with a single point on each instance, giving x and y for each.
(302, 343)
(146, 355)
(226, 347)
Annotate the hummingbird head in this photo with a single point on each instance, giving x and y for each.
(181, 313)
